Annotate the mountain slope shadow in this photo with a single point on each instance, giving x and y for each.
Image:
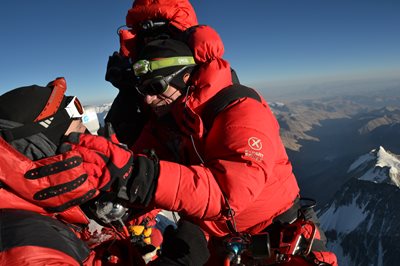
(321, 166)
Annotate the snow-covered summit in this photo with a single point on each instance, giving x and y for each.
(362, 221)
(378, 166)
(103, 108)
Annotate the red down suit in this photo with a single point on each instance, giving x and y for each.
(16, 191)
(244, 158)
(243, 155)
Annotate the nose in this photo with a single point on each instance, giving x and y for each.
(150, 98)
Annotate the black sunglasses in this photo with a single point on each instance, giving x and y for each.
(157, 85)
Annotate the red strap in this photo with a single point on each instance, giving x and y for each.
(55, 99)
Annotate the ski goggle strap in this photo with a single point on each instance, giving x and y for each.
(143, 67)
(53, 103)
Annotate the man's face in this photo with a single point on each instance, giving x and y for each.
(76, 126)
(161, 103)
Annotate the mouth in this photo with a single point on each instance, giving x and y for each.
(161, 109)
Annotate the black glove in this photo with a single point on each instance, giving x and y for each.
(119, 72)
(185, 245)
(127, 121)
(123, 114)
(141, 186)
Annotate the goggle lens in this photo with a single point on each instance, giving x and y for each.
(157, 85)
(154, 86)
(74, 108)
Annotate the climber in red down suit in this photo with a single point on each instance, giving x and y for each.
(230, 174)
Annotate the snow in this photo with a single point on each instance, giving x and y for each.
(338, 250)
(343, 220)
(375, 175)
(333, 218)
(385, 159)
(277, 104)
(361, 160)
(371, 222)
(378, 166)
(102, 108)
(380, 254)
(378, 174)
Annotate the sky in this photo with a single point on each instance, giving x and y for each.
(268, 42)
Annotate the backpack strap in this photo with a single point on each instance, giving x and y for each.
(222, 99)
(213, 107)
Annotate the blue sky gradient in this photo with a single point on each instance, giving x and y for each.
(267, 42)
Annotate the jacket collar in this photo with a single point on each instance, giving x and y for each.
(207, 81)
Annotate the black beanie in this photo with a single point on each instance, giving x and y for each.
(164, 48)
(24, 104)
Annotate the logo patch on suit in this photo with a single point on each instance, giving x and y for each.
(256, 145)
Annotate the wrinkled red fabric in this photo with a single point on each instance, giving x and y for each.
(100, 153)
(179, 13)
(35, 256)
(14, 166)
(259, 184)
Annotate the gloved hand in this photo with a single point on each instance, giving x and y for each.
(119, 72)
(135, 178)
(185, 245)
(109, 133)
(127, 121)
(55, 183)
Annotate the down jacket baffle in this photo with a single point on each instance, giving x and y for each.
(243, 155)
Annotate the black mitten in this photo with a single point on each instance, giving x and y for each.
(127, 121)
(185, 245)
(119, 72)
(140, 187)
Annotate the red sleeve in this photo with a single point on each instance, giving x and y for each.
(31, 177)
(35, 256)
(243, 140)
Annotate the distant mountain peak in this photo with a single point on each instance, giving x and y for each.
(391, 161)
(102, 111)
(103, 107)
(362, 221)
(378, 166)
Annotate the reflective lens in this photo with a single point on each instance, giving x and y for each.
(157, 85)
(74, 107)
